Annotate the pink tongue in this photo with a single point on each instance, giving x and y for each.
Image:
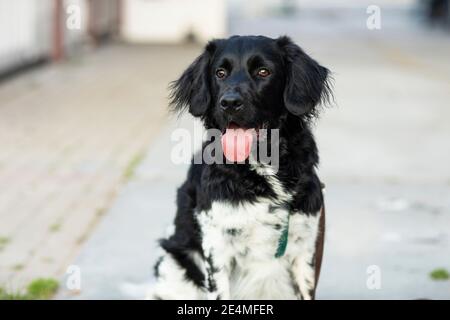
(237, 143)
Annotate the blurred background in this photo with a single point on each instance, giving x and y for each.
(86, 180)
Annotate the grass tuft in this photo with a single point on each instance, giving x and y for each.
(55, 227)
(42, 288)
(39, 289)
(3, 242)
(132, 165)
(4, 295)
(440, 274)
(18, 267)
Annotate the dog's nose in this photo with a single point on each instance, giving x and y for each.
(231, 102)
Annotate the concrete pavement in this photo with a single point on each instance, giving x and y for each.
(70, 134)
(384, 160)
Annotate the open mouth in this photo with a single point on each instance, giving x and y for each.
(235, 125)
(237, 141)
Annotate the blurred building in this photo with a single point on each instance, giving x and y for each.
(169, 21)
(33, 31)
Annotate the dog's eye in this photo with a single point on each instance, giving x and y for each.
(221, 73)
(263, 72)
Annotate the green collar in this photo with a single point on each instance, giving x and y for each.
(283, 240)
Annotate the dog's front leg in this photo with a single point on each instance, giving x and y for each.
(216, 261)
(303, 269)
(217, 279)
(306, 266)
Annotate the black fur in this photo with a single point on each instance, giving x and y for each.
(288, 100)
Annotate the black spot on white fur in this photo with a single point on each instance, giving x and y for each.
(233, 232)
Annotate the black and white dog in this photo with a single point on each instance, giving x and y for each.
(243, 230)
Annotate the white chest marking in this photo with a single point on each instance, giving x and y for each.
(243, 240)
(239, 244)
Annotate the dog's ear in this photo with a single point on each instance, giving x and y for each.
(307, 82)
(192, 89)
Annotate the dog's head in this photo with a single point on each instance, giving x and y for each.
(249, 81)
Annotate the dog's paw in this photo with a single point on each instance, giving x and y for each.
(309, 198)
